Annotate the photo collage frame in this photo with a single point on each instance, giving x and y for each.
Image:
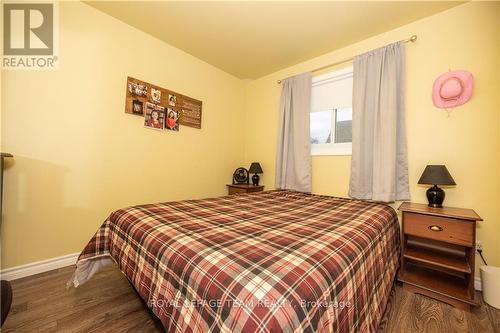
(162, 109)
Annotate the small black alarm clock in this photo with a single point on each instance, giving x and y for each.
(240, 176)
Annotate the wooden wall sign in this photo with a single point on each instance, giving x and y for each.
(140, 93)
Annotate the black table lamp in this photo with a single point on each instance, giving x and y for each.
(436, 175)
(255, 168)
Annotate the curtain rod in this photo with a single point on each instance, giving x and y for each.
(411, 39)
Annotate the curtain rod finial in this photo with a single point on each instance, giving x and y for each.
(413, 38)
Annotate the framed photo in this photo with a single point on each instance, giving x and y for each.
(137, 107)
(154, 117)
(172, 99)
(155, 95)
(172, 120)
(137, 89)
(142, 98)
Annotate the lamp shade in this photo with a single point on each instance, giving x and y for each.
(255, 168)
(436, 175)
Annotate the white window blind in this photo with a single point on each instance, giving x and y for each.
(331, 113)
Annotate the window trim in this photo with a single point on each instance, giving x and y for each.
(332, 149)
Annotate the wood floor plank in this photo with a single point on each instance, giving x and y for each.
(107, 303)
(480, 321)
(50, 303)
(494, 316)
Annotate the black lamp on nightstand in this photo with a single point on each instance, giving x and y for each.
(436, 175)
(255, 168)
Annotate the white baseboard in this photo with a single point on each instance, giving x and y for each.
(37, 267)
(477, 284)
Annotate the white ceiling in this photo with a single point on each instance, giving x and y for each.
(252, 39)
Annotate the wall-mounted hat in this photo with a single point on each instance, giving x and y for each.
(452, 89)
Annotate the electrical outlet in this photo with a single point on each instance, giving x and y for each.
(479, 245)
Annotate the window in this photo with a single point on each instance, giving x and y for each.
(331, 113)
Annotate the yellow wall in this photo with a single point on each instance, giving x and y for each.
(78, 156)
(464, 37)
(498, 57)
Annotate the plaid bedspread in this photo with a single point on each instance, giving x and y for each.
(276, 261)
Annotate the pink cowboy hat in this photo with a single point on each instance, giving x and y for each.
(452, 89)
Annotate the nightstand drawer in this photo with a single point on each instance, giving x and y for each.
(243, 188)
(255, 189)
(234, 190)
(439, 228)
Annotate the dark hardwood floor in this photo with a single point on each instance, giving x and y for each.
(107, 303)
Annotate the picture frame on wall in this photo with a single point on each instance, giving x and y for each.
(154, 117)
(155, 95)
(172, 120)
(139, 94)
(172, 99)
(137, 107)
(138, 89)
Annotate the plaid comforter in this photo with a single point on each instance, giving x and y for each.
(276, 261)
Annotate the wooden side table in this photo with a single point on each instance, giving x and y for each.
(438, 252)
(233, 189)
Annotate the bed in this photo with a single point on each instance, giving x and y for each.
(274, 261)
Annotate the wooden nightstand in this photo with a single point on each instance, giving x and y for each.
(438, 252)
(233, 189)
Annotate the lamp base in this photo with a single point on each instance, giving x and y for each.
(435, 196)
(255, 180)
